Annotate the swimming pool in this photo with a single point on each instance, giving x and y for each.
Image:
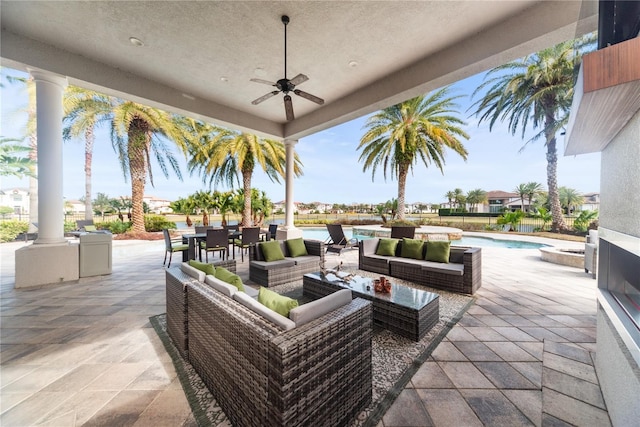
(322, 234)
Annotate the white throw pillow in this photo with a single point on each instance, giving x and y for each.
(318, 308)
(220, 286)
(192, 271)
(265, 312)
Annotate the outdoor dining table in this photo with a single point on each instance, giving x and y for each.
(194, 239)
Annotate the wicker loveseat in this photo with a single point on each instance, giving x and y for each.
(318, 373)
(462, 274)
(273, 273)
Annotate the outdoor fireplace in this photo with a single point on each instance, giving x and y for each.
(619, 285)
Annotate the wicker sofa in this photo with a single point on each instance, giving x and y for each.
(318, 373)
(462, 274)
(273, 273)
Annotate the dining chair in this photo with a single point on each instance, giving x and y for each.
(250, 236)
(172, 246)
(273, 229)
(217, 241)
(400, 231)
(200, 229)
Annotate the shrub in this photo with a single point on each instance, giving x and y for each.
(69, 226)
(511, 218)
(583, 220)
(115, 227)
(9, 230)
(157, 223)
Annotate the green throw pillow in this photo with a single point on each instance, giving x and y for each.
(229, 277)
(276, 302)
(411, 248)
(203, 266)
(296, 247)
(271, 250)
(387, 247)
(438, 251)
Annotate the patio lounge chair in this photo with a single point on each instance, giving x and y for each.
(273, 229)
(339, 242)
(250, 236)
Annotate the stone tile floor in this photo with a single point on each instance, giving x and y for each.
(85, 354)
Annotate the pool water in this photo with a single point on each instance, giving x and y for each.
(323, 234)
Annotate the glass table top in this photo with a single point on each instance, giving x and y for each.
(401, 295)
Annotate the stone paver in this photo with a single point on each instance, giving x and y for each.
(85, 354)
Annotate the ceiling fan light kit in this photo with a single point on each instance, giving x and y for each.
(286, 85)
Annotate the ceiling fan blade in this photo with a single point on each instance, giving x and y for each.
(308, 96)
(266, 82)
(265, 97)
(288, 107)
(300, 78)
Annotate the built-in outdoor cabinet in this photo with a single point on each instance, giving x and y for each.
(607, 96)
(95, 254)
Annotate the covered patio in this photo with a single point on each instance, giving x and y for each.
(85, 353)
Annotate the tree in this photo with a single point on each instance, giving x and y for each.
(544, 215)
(184, 207)
(223, 155)
(12, 160)
(522, 190)
(459, 198)
(450, 195)
(102, 204)
(415, 130)
(569, 198)
(137, 133)
(536, 90)
(474, 197)
(205, 202)
(533, 189)
(83, 110)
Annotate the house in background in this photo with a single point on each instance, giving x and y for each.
(157, 205)
(591, 202)
(17, 199)
(498, 200)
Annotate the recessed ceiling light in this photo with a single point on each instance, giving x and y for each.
(353, 64)
(224, 79)
(136, 41)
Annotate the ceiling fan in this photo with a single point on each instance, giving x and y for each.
(285, 85)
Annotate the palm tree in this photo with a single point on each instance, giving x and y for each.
(205, 202)
(474, 197)
(224, 203)
(450, 195)
(12, 160)
(569, 198)
(522, 191)
(533, 189)
(102, 204)
(536, 90)
(459, 198)
(137, 133)
(32, 134)
(184, 207)
(222, 155)
(415, 130)
(83, 110)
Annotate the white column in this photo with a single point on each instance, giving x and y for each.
(290, 149)
(49, 91)
(289, 230)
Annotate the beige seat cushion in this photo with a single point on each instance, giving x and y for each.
(318, 308)
(191, 271)
(263, 311)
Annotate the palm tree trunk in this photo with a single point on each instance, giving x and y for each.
(88, 159)
(137, 144)
(558, 223)
(402, 184)
(246, 211)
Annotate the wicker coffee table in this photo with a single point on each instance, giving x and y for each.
(406, 311)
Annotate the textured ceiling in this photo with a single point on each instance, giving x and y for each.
(198, 57)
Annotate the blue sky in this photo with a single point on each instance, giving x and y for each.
(332, 172)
